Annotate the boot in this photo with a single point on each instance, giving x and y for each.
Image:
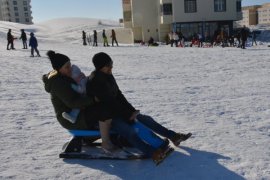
(160, 154)
(179, 137)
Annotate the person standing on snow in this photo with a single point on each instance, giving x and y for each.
(105, 39)
(24, 39)
(33, 43)
(254, 36)
(10, 39)
(84, 38)
(95, 38)
(244, 35)
(113, 36)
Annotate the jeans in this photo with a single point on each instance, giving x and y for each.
(125, 129)
(149, 122)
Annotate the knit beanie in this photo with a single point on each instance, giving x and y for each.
(101, 59)
(57, 60)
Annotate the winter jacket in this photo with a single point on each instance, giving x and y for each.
(64, 98)
(244, 34)
(33, 42)
(9, 36)
(23, 36)
(113, 102)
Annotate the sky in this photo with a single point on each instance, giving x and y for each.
(101, 9)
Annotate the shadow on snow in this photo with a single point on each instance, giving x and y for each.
(189, 164)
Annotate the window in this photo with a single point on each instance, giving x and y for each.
(220, 5)
(26, 20)
(14, 2)
(238, 6)
(24, 2)
(15, 8)
(16, 14)
(166, 9)
(190, 6)
(17, 20)
(26, 14)
(25, 9)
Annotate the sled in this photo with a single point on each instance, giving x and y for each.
(85, 144)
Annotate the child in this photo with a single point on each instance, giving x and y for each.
(80, 87)
(104, 126)
(33, 43)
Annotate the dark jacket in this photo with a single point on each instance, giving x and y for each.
(9, 36)
(244, 34)
(105, 88)
(33, 42)
(23, 36)
(64, 98)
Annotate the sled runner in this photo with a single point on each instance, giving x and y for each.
(84, 144)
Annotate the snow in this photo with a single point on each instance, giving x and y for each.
(221, 95)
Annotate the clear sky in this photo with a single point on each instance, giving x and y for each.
(101, 9)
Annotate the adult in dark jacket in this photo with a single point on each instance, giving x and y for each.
(84, 38)
(95, 38)
(10, 39)
(244, 35)
(24, 39)
(102, 84)
(58, 83)
(113, 36)
(33, 43)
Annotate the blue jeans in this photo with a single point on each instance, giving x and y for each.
(149, 122)
(125, 129)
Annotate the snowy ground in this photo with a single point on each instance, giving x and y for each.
(221, 95)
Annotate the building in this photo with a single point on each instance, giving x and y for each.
(264, 14)
(16, 11)
(250, 16)
(156, 18)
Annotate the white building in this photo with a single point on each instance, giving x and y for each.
(156, 18)
(16, 11)
(264, 14)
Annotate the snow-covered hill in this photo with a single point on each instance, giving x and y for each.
(221, 95)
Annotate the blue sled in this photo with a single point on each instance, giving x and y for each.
(143, 132)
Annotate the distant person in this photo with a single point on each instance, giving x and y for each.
(113, 36)
(151, 42)
(10, 39)
(175, 39)
(170, 35)
(24, 39)
(105, 39)
(254, 36)
(95, 38)
(244, 35)
(33, 43)
(84, 38)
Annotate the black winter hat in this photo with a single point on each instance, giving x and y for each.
(101, 59)
(57, 60)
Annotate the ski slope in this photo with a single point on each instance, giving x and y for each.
(221, 95)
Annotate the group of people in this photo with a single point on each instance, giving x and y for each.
(95, 101)
(104, 37)
(220, 38)
(33, 43)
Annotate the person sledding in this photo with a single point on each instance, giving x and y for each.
(59, 84)
(102, 84)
